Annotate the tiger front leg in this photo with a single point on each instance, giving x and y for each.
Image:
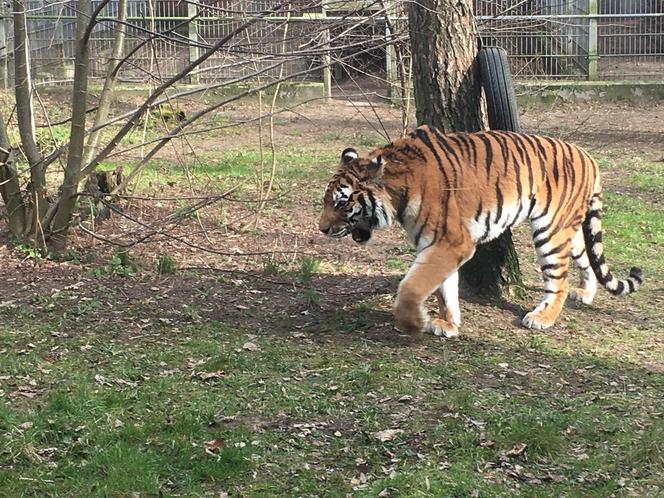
(449, 315)
(436, 264)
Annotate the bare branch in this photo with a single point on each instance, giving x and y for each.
(273, 164)
(109, 83)
(175, 132)
(93, 19)
(163, 87)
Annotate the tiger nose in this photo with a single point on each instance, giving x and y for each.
(324, 228)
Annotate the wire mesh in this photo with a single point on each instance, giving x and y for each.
(545, 39)
(631, 39)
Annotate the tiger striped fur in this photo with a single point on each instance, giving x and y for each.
(454, 191)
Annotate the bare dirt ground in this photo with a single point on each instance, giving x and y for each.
(222, 270)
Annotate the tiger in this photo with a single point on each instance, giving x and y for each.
(454, 191)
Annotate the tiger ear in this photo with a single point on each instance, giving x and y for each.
(375, 167)
(348, 155)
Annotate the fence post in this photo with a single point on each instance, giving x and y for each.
(327, 60)
(393, 87)
(4, 52)
(194, 51)
(593, 40)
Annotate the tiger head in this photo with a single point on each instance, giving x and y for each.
(355, 201)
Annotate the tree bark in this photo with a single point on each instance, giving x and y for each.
(25, 113)
(444, 45)
(443, 40)
(23, 86)
(10, 189)
(69, 187)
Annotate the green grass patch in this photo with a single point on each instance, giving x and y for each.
(223, 169)
(648, 176)
(634, 232)
(194, 410)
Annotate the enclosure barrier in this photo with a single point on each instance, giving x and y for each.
(545, 39)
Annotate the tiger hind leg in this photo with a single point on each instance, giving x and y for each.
(449, 316)
(585, 293)
(554, 259)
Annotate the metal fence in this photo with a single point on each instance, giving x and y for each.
(545, 39)
(581, 39)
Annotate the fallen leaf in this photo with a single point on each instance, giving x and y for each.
(122, 382)
(196, 363)
(387, 434)
(168, 373)
(47, 452)
(101, 380)
(213, 446)
(517, 450)
(25, 425)
(25, 391)
(118, 423)
(208, 375)
(250, 346)
(484, 442)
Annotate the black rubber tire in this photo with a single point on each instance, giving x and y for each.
(499, 89)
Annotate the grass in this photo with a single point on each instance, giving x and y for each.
(110, 389)
(241, 164)
(634, 216)
(165, 264)
(634, 231)
(121, 417)
(646, 175)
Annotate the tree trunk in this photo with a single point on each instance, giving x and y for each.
(10, 189)
(69, 187)
(444, 45)
(25, 115)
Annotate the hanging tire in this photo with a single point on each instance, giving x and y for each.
(499, 89)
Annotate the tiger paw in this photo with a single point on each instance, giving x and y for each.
(442, 328)
(582, 295)
(410, 328)
(537, 320)
(409, 318)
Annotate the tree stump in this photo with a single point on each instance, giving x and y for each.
(98, 189)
